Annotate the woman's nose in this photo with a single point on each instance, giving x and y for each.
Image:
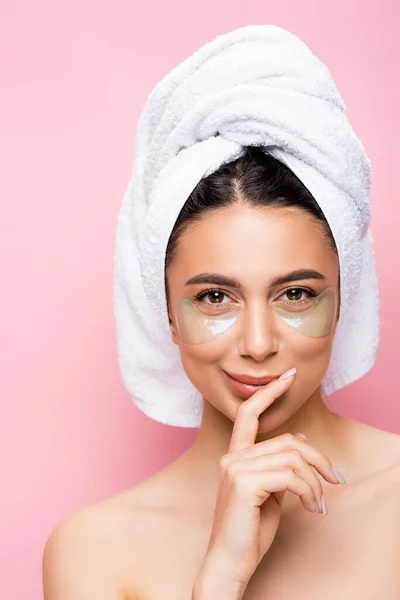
(258, 336)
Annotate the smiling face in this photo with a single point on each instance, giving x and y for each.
(257, 326)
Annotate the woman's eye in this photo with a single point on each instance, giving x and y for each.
(295, 295)
(215, 296)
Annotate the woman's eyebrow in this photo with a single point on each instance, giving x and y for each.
(217, 279)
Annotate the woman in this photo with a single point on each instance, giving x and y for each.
(253, 289)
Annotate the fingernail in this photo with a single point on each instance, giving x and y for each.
(324, 506)
(301, 435)
(316, 506)
(338, 475)
(288, 373)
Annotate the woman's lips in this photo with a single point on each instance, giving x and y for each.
(243, 389)
(251, 379)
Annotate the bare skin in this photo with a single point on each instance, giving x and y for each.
(150, 541)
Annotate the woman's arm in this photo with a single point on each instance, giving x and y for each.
(78, 562)
(210, 587)
(217, 580)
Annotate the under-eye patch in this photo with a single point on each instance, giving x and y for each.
(316, 320)
(198, 327)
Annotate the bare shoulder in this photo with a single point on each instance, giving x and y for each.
(382, 448)
(87, 553)
(99, 550)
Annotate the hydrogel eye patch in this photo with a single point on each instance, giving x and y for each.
(197, 327)
(315, 321)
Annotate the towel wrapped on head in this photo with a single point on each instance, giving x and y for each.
(259, 85)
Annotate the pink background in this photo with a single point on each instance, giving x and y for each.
(74, 78)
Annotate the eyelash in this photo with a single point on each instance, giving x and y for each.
(311, 294)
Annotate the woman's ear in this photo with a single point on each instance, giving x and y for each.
(173, 330)
(171, 324)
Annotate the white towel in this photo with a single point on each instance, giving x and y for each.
(258, 85)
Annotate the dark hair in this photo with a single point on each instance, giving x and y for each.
(257, 179)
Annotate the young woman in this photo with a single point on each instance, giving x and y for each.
(235, 515)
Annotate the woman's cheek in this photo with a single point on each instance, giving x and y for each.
(201, 362)
(195, 369)
(311, 357)
(207, 352)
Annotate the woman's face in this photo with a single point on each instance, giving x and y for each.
(254, 247)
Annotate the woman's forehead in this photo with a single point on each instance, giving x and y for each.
(254, 241)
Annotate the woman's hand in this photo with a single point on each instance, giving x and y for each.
(253, 480)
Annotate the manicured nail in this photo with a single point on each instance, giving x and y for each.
(316, 506)
(324, 506)
(338, 475)
(288, 373)
(301, 435)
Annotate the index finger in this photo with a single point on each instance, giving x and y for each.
(245, 427)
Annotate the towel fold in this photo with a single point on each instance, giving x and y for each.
(259, 85)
